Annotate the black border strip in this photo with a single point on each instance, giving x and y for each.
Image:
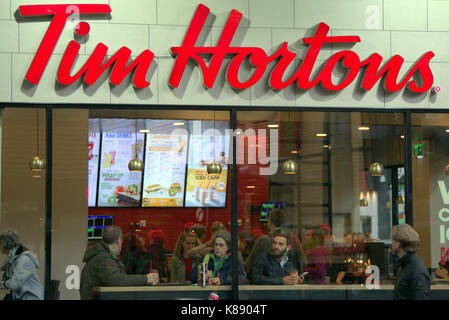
(48, 196)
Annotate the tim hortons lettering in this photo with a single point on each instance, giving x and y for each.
(370, 69)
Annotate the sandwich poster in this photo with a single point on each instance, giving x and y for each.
(202, 189)
(93, 150)
(165, 168)
(119, 187)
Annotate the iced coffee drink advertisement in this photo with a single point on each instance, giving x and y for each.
(119, 187)
(165, 169)
(203, 189)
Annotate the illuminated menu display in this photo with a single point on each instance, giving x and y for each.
(119, 187)
(203, 189)
(165, 167)
(93, 158)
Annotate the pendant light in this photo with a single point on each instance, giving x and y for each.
(363, 201)
(135, 165)
(289, 166)
(37, 164)
(376, 169)
(214, 168)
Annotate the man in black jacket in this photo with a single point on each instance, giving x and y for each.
(413, 281)
(277, 266)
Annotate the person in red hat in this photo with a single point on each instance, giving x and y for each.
(188, 225)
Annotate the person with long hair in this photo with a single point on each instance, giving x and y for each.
(317, 256)
(181, 265)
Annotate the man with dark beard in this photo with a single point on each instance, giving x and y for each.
(278, 265)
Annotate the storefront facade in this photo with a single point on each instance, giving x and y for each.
(329, 89)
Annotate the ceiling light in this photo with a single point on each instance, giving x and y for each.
(251, 187)
(363, 128)
(321, 134)
(294, 151)
(144, 130)
(447, 130)
(178, 123)
(402, 137)
(273, 126)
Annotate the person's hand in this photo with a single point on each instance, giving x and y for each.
(152, 278)
(300, 279)
(290, 280)
(214, 281)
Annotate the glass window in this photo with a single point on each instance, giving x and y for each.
(176, 198)
(430, 189)
(333, 187)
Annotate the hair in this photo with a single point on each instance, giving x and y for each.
(199, 230)
(225, 235)
(407, 237)
(9, 239)
(111, 234)
(281, 233)
(182, 237)
(248, 238)
(217, 226)
(317, 233)
(277, 217)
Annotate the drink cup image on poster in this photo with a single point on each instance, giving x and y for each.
(93, 149)
(165, 163)
(119, 187)
(203, 189)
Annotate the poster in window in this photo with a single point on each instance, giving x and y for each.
(119, 187)
(165, 168)
(203, 189)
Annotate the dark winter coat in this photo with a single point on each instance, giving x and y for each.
(413, 281)
(102, 269)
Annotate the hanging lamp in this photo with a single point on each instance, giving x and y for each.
(290, 166)
(37, 164)
(363, 201)
(376, 169)
(135, 165)
(214, 168)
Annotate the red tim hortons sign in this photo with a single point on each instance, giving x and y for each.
(98, 63)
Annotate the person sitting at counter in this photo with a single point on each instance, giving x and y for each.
(218, 262)
(103, 267)
(276, 221)
(181, 265)
(317, 256)
(276, 267)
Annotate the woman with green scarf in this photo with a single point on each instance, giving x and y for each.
(219, 262)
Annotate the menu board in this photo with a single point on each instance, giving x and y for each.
(119, 187)
(93, 154)
(202, 189)
(165, 168)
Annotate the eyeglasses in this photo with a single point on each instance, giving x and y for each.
(219, 245)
